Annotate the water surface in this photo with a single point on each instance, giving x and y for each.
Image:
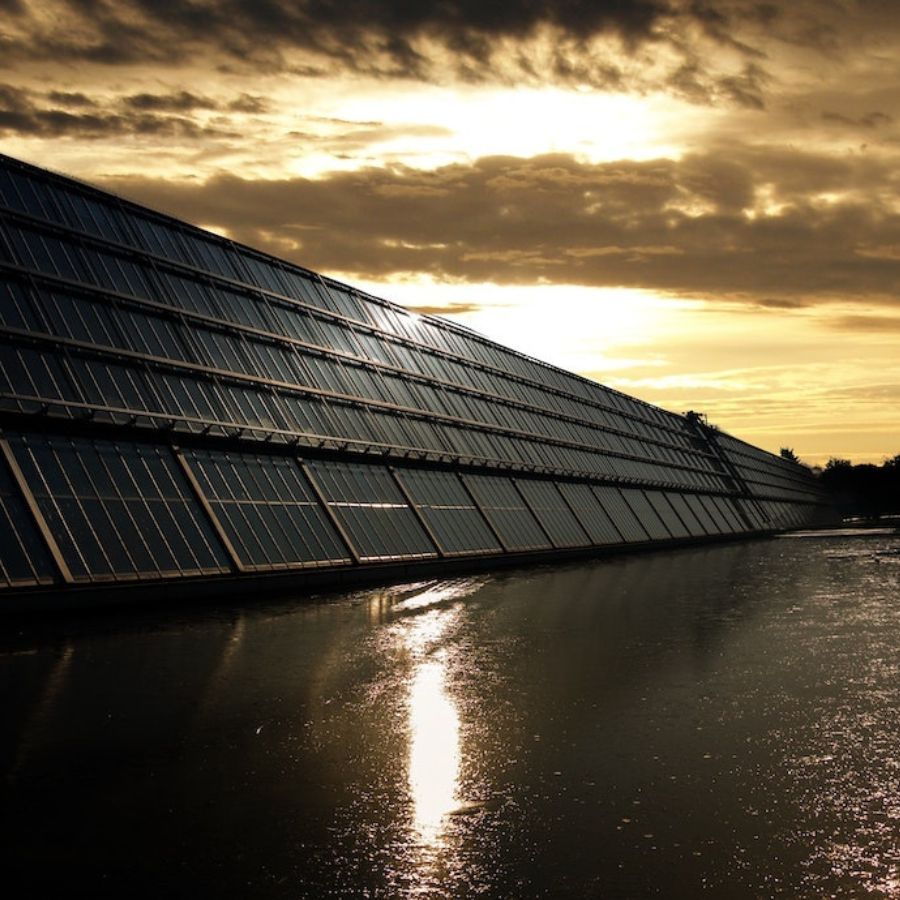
(721, 720)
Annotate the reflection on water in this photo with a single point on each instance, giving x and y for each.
(433, 750)
(438, 592)
(720, 721)
(42, 709)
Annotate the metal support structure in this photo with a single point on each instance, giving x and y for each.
(238, 254)
(575, 515)
(487, 520)
(46, 535)
(329, 512)
(534, 515)
(708, 435)
(247, 373)
(211, 516)
(398, 480)
(346, 358)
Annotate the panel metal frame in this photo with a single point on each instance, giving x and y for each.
(534, 514)
(416, 511)
(332, 516)
(236, 563)
(43, 528)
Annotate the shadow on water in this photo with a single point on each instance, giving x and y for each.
(649, 725)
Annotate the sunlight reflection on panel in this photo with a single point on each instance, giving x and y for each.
(433, 750)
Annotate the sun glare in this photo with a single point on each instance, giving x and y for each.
(471, 123)
(576, 327)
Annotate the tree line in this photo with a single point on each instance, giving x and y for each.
(863, 490)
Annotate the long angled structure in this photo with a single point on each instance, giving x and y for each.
(180, 410)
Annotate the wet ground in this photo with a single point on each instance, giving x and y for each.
(720, 721)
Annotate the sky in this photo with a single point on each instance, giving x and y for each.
(694, 202)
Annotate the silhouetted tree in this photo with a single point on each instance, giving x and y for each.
(863, 490)
(788, 453)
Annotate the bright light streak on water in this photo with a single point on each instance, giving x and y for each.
(439, 592)
(433, 751)
(720, 721)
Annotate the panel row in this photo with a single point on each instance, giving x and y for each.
(74, 206)
(113, 313)
(114, 323)
(72, 380)
(113, 510)
(766, 475)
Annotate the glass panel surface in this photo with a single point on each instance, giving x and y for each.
(715, 513)
(551, 510)
(620, 512)
(752, 512)
(728, 513)
(592, 516)
(370, 506)
(24, 558)
(449, 511)
(692, 523)
(504, 507)
(267, 509)
(118, 510)
(234, 286)
(698, 508)
(660, 503)
(640, 505)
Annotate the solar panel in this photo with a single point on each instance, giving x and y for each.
(176, 405)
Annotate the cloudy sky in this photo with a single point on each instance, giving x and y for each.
(695, 202)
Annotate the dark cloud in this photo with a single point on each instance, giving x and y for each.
(186, 102)
(120, 29)
(748, 88)
(249, 103)
(351, 137)
(70, 98)
(21, 113)
(14, 99)
(689, 226)
(872, 119)
(388, 38)
(180, 101)
(451, 309)
(655, 44)
(780, 303)
(876, 324)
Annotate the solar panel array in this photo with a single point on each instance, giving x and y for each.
(176, 405)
